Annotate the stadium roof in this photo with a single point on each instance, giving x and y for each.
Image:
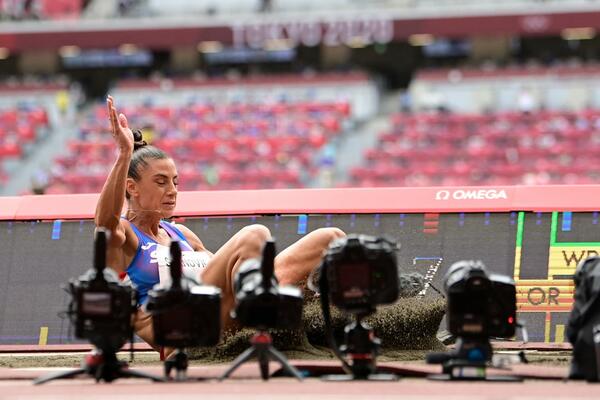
(308, 28)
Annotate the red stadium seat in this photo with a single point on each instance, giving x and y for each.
(494, 149)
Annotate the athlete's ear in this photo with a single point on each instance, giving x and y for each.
(132, 187)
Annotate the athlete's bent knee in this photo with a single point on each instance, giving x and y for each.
(256, 231)
(253, 237)
(327, 235)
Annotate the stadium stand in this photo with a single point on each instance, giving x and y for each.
(502, 119)
(232, 7)
(55, 9)
(40, 9)
(239, 144)
(496, 88)
(502, 148)
(27, 112)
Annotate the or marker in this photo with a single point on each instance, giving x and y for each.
(553, 242)
(559, 334)
(547, 324)
(43, 336)
(302, 224)
(520, 228)
(431, 223)
(426, 259)
(567, 221)
(277, 217)
(56, 229)
(563, 277)
(553, 228)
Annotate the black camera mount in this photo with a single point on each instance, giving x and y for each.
(583, 327)
(357, 255)
(262, 348)
(361, 347)
(467, 362)
(184, 314)
(479, 306)
(178, 362)
(102, 367)
(94, 301)
(262, 304)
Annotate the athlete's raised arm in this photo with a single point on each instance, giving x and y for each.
(112, 197)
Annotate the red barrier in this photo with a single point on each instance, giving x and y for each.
(329, 201)
(9, 207)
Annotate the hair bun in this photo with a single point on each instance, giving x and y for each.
(138, 141)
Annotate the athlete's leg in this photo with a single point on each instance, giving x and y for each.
(142, 326)
(220, 271)
(294, 264)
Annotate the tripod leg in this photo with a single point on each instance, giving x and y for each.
(60, 375)
(263, 363)
(180, 363)
(242, 358)
(596, 340)
(168, 367)
(129, 373)
(275, 354)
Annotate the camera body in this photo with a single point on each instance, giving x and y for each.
(265, 306)
(102, 308)
(583, 328)
(186, 316)
(362, 272)
(184, 313)
(479, 304)
(260, 301)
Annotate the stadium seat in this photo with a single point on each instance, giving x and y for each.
(248, 145)
(502, 148)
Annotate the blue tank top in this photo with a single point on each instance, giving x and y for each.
(143, 271)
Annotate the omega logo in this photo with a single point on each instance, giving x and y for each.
(480, 194)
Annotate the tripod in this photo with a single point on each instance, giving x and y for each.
(102, 365)
(467, 362)
(262, 348)
(362, 347)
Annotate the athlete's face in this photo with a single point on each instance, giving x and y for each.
(157, 188)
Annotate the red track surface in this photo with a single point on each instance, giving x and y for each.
(245, 384)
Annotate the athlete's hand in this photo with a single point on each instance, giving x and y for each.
(120, 129)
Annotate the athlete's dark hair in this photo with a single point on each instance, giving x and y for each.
(141, 153)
